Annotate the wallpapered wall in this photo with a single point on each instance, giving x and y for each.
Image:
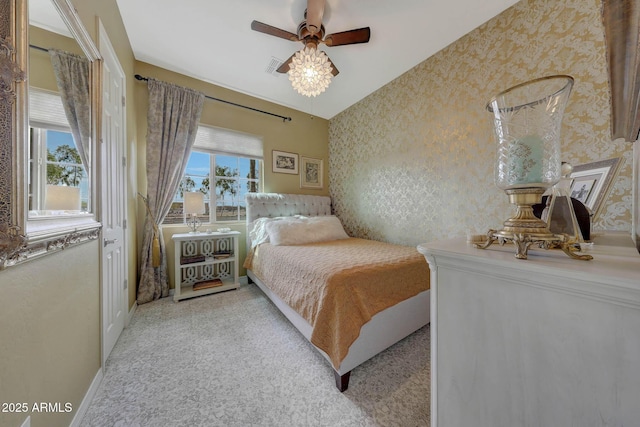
(413, 162)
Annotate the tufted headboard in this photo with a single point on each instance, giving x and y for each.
(260, 205)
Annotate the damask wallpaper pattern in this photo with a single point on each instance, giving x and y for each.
(413, 161)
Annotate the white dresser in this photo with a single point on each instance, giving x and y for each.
(548, 341)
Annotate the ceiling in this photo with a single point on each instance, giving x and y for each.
(211, 40)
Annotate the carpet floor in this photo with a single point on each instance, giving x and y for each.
(232, 359)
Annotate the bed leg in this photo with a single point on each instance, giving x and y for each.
(342, 381)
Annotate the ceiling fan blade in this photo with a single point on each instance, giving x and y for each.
(284, 68)
(273, 31)
(361, 35)
(315, 11)
(334, 69)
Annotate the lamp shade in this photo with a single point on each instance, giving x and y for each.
(194, 203)
(62, 198)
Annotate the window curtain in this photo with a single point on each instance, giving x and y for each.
(72, 77)
(172, 121)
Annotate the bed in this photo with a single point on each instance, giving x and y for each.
(351, 298)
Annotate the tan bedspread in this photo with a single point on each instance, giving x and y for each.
(338, 286)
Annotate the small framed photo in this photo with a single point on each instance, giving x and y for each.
(581, 188)
(285, 162)
(592, 181)
(311, 173)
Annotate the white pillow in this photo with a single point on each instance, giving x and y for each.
(258, 228)
(305, 230)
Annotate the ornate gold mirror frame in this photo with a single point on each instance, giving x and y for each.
(21, 239)
(621, 19)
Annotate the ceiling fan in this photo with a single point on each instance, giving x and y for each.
(311, 32)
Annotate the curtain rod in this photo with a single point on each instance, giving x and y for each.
(284, 119)
(38, 48)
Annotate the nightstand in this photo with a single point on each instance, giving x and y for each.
(205, 263)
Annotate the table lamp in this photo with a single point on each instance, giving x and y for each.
(194, 205)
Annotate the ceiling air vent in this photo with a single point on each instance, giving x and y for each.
(274, 64)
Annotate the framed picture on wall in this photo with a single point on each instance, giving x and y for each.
(285, 162)
(311, 173)
(592, 181)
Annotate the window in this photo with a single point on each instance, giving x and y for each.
(54, 160)
(224, 165)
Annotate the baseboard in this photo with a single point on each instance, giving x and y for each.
(134, 307)
(84, 405)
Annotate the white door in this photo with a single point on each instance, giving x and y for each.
(113, 197)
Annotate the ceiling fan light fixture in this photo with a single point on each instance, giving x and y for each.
(310, 71)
